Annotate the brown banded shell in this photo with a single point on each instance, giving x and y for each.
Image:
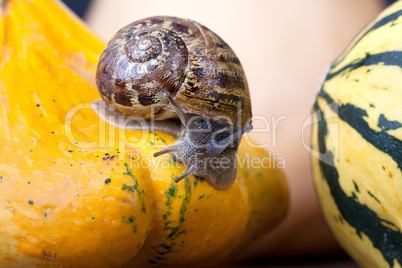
(158, 54)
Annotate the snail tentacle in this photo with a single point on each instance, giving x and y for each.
(166, 151)
(189, 171)
(183, 117)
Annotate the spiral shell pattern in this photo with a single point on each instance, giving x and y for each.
(144, 49)
(137, 66)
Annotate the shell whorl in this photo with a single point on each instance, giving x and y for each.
(144, 49)
(137, 66)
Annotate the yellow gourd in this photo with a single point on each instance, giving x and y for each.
(76, 192)
(357, 142)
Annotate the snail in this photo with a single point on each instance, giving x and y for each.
(181, 78)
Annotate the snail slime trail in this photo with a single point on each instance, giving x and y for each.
(182, 77)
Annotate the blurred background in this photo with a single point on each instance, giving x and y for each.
(284, 47)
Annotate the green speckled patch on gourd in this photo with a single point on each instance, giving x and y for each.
(135, 188)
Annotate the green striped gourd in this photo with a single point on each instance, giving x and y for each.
(357, 147)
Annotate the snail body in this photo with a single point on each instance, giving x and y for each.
(161, 68)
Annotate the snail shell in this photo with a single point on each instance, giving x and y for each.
(162, 68)
(182, 57)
